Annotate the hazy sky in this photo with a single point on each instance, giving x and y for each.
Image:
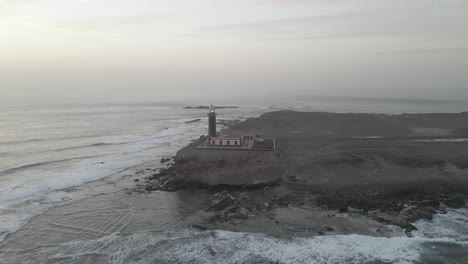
(155, 49)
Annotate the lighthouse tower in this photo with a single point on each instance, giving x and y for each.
(212, 122)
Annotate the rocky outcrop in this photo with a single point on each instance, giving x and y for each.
(333, 153)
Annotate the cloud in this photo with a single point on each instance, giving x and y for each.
(11, 2)
(419, 20)
(108, 22)
(431, 50)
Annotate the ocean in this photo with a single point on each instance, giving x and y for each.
(47, 150)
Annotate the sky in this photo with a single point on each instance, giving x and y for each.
(162, 49)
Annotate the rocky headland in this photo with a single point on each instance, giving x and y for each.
(379, 170)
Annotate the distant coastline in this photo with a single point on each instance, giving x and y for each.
(207, 107)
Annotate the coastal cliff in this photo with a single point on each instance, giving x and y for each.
(332, 153)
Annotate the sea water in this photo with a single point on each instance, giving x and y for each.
(47, 148)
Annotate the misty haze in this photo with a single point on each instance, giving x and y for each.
(249, 131)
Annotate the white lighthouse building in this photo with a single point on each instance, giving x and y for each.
(218, 140)
(234, 140)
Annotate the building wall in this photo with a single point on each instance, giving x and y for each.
(230, 142)
(212, 125)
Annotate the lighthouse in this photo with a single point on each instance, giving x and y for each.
(212, 122)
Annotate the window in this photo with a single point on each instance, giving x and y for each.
(221, 142)
(235, 142)
(213, 142)
(229, 142)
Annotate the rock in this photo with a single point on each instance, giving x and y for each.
(199, 227)
(172, 185)
(150, 188)
(291, 199)
(136, 180)
(240, 216)
(343, 209)
(293, 178)
(456, 202)
(164, 160)
(223, 204)
(329, 201)
(329, 229)
(408, 228)
(193, 121)
(380, 219)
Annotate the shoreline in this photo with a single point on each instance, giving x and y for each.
(281, 208)
(417, 194)
(236, 205)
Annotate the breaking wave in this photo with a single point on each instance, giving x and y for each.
(188, 246)
(29, 166)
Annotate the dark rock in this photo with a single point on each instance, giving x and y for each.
(150, 188)
(240, 216)
(164, 160)
(199, 227)
(408, 228)
(462, 164)
(423, 213)
(136, 180)
(223, 204)
(343, 209)
(330, 201)
(173, 185)
(329, 229)
(380, 219)
(233, 210)
(456, 202)
(293, 178)
(291, 199)
(193, 121)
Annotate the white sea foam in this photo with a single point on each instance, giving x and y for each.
(31, 192)
(70, 152)
(443, 140)
(230, 247)
(452, 225)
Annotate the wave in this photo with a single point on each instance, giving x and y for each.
(38, 164)
(187, 246)
(453, 225)
(13, 142)
(100, 144)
